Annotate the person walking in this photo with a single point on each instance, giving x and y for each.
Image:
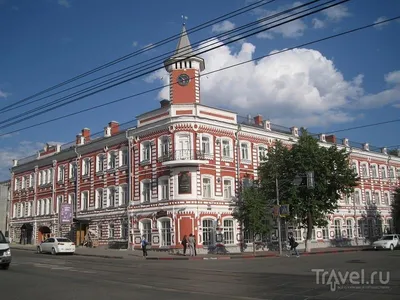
(144, 244)
(191, 244)
(293, 244)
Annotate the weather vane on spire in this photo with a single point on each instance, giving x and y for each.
(184, 18)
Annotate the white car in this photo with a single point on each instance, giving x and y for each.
(388, 241)
(5, 252)
(56, 245)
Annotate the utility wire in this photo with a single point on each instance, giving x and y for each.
(205, 74)
(155, 45)
(153, 70)
(162, 56)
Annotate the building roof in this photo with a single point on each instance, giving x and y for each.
(184, 48)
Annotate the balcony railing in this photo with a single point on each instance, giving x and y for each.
(186, 154)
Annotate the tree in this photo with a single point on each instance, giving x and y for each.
(332, 173)
(396, 210)
(253, 212)
(393, 152)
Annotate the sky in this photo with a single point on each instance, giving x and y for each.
(341, 83)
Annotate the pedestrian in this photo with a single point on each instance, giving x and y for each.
(194, 246)
(293, 244)
(191, 242)
(144, 244)
(184, 244)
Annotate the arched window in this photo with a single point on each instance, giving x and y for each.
(338, 233)
(349, 225)
(208, 232)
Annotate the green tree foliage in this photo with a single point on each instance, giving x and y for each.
(396, 210)
(253, 211)
(332, 173)
(393, 152)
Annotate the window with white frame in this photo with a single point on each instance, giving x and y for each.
(205, 144)
(146, 152)
(163, 184)
(349, 228)
(229, 236)
(111, 230)
(228, 188)
(38, 207)
(60, 200)
(85, 200)
(124, 157)
(111, 196)
(32, 180)
(123, 195)
(377, 197)
(99, 198)
(368, 197)
(26, 209)
(146, 230)
(262, 152)
(72, 170)
(338, 229)
(86, 167)
(23, 182)
(374, 170)
(357, 197)
(244, 151)
(50, 176)
(208, 232)
(383, 172)
(21, 210)
(48, 207)
(360, 227)
(354, 165)
(165, 233)
(146, 191)
(100, 163)
(386, 199)
(164, 147)
(364, 170)
(16, 184)
(112, 160)
(40, 181)
(207, 187)
(100, 231)
(227, 148)
(71, 198)
(61, 174)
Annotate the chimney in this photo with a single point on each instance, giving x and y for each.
(164, 103)
(114, 127)
(80, 140)
(258, 120)
(331, 139)
(86, 134)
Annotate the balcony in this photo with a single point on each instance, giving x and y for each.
(184, 158)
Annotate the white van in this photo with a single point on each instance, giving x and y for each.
(5, 252)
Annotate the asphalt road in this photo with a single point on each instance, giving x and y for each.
(46, 277)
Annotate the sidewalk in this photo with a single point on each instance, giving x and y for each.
(158, 255)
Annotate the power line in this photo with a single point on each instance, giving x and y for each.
(155, 45)
(205, 74)
(162, 56)
(364, 126)
(150, 71)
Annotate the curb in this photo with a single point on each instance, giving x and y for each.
(253, 256)
(77, 254)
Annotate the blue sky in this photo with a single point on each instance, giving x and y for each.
(341, 83)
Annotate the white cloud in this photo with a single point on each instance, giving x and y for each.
(64, 3)
(317, 23)
(337, 13)
(4, 94)
(380, 19)
(223, 26)
(298, 87)
(23, 149)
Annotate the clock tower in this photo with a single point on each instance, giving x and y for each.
(184, 69)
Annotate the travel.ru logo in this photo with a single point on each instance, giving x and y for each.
(355, 279)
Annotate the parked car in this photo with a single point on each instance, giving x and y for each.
(5, 252)
(56, 245)
(388, 241)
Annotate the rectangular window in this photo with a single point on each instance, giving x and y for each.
(113, 160)
(205, 145)
(124, 157)
(166, 233)
(229, 237)
(368, 197)
(374, 172)
(124, 195)
(244, 151)
(146, 230)
(364, 170)
(325, 233)
(146, 152)
(146, 191)
(100, 163)
(111, 197)
(226, 152)
(383, 172)
(206, 187)
(228, 189)
(262, 153)
(164, 189)
(85, 201)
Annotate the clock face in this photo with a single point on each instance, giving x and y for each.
(183, 79)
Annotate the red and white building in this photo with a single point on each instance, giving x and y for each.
(177, 173)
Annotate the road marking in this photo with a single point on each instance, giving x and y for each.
(62, 268)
